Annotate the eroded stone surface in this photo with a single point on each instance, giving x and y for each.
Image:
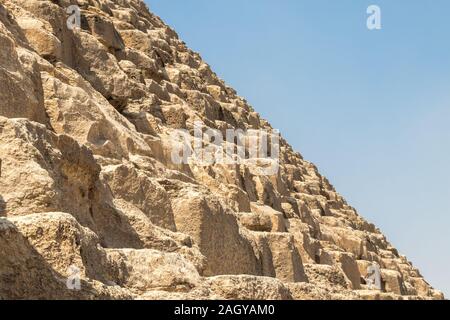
(87, 180)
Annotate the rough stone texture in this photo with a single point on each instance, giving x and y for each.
(86, 178)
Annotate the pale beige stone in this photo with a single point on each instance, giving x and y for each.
(249, 288)
(393, 281)
(87, 179)
(217, 233)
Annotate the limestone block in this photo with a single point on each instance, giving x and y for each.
(33, 261)
(256, 222)
(216, 232)
(138, 188)
(280, 257)
(41, 38)
(277, 218)
(145, 270)
(249, 288)
(104, 31)
(20, 83)
(349, 266)
(42, 170)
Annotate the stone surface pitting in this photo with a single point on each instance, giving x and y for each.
(86, 118)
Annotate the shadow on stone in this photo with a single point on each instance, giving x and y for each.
(33, 277)
(2, 207)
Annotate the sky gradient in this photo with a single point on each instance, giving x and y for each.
(370, 108)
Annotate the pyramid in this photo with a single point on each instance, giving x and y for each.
(93, 205)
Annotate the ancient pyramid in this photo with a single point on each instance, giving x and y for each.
(92, 206)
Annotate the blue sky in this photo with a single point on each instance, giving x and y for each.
(370, 108)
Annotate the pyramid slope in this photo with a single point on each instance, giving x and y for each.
(89, 190)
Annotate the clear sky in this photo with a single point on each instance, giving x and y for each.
(370, 108)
